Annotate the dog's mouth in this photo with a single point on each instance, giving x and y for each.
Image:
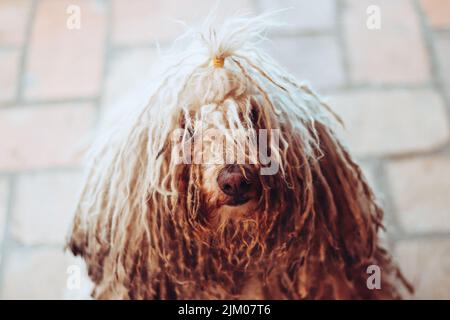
(237, 201)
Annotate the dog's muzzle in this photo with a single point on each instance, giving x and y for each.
(238, 183)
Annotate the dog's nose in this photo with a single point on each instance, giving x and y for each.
(233, 182)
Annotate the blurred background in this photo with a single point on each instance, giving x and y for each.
(391, 86)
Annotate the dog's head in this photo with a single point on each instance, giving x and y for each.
(225, 147)
(230, 164)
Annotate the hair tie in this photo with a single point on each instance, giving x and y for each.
(218, 62)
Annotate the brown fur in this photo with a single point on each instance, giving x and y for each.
(313, 238)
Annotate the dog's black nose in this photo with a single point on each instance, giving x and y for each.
(234, 181)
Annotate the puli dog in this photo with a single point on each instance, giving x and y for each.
(229, 183)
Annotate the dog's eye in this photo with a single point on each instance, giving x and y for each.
(254, 112)
(190, 131)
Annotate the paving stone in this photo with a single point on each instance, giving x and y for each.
(9, 75)
(426, 264)
(66, 62)
(393, 54)
(442, 47)
(38, 274)
(301, 15)
(313, 59)
(420, 189)
(43, 136)
(437, 12)
(44, 207)
(13, 21)
(129, 71)
(392, 122)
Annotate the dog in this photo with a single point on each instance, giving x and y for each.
(168, 211)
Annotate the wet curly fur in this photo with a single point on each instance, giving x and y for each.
(150, 228)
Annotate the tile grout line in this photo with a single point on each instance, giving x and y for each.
(342, 41)
(441, 149)
(13, 176)
(442, 31)
(49, 102)
(25, 51)
(10, 48)
(429, 37)
(389, 204)
(6, 236)
(427, 236)
(49, 170)
(108, 48)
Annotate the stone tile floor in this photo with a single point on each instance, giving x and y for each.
(392, 87)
